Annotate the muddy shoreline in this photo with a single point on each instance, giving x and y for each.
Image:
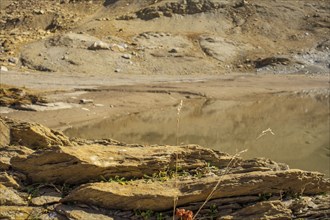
(225, 113)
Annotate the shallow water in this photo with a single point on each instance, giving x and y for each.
(296, 128)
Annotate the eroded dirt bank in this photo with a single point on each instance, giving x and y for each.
(177, 37)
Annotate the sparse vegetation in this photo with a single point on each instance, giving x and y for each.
(117, 179)
(227, 70)
(265, 196)
(146, 215)
(33, 191)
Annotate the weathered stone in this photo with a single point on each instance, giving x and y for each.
(179, 7)
(85, 101)
(3, 69)
(8, 180)
(14, 97)
(159, 195)
(118, 48)
(316, 207)
(52, 215)
(126, 17)
(46, 196)
(99, 45)
(10, 197)
(148, 13)
(38, 11)
(8, 152)
(127, 56)
(44, 106)
(224, 203)
(258, 164)
(4, 134)
(218, 47)
(271, 61)
(13, 60)
(81, 164)
(173, 50)
(77, 213)
(35, 136)
(263, 211)
(19, 212)
(105, 142)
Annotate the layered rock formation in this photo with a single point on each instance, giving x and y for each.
(80, 179)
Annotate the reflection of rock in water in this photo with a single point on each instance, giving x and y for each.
(299, 122)
(327, 149)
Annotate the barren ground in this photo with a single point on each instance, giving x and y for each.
(239, 67)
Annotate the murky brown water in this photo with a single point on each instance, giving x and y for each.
(300, 126)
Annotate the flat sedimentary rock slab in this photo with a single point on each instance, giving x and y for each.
(159, 195)
(77, 213)
(81, 164)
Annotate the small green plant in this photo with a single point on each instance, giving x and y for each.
(265, 196)
(163, 175)
(159, 216)
(290, 194)
(184, 173)
(323, 193)
(147, 214)
(65, 189)
(103, 179)
(211, 168)
(214, 211)
(117, 179)
(199, 174)
(32, 191)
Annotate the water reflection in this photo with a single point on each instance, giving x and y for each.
(300, 126)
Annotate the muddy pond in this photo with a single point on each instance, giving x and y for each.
(286, 127)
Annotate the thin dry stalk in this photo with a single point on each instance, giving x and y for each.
(177, 138)
(269, 130)
(218, 183)
(175, 200)
(178, 121)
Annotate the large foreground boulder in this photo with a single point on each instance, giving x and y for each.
(8, 152)
(81, 164)
(33, 135)
(159, 196)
